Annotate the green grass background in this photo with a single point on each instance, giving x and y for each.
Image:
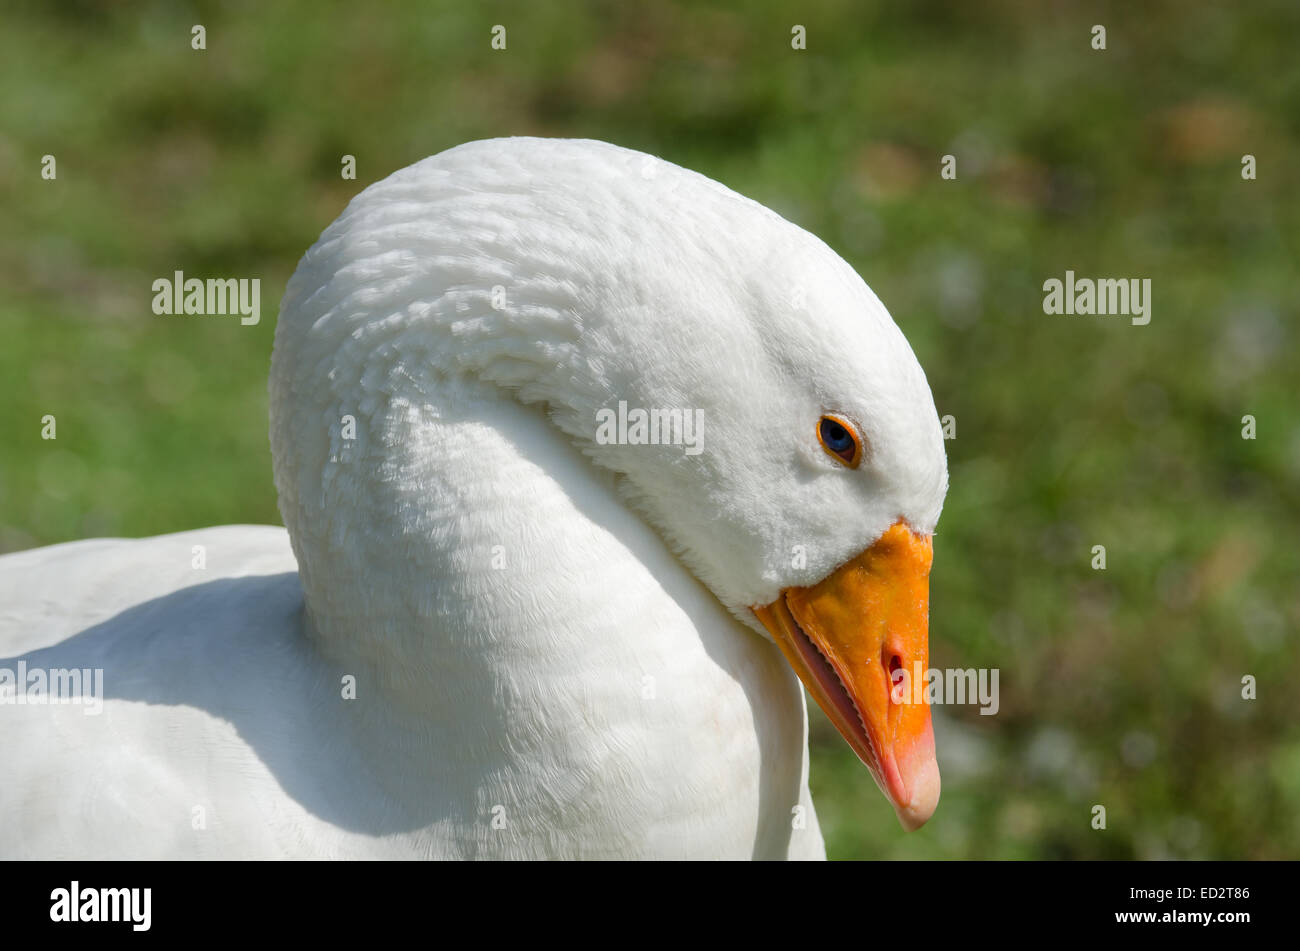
(1119, 687)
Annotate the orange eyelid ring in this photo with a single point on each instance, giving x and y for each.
(849, 428)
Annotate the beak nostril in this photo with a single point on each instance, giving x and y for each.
(892, 662)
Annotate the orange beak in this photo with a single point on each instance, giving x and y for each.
(845, 637)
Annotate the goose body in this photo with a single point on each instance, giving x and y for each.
(486, 632)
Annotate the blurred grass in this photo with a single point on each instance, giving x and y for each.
(1119, 688)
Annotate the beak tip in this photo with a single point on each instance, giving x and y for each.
(925, 797)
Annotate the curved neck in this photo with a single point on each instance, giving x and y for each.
(532, 645)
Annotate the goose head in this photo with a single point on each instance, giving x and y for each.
(815, 484)
(600, 283)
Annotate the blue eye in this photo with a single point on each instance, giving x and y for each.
(838, 439)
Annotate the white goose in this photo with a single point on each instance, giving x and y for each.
(502, 634)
